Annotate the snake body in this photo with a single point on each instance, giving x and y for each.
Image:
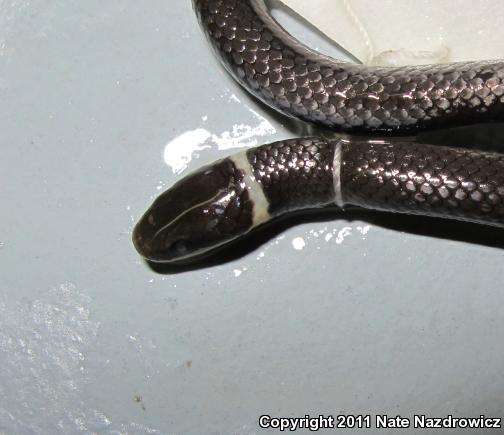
(221, 202)
(304, 84)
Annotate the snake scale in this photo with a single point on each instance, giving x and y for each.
(223, 201)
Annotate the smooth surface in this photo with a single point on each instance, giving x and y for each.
(98, 114)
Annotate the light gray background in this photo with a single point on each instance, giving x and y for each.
(329, 316)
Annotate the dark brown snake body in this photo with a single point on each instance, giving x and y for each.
(219, 203)
(304, 84)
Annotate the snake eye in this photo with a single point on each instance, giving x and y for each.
(180, 247)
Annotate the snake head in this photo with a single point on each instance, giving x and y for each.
(201, 212)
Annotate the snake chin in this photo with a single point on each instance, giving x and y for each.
(200, 213)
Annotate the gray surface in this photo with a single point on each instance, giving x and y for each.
(361, 320)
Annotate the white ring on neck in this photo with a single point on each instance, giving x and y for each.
(255, 190)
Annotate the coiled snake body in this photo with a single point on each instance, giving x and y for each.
(221, 202)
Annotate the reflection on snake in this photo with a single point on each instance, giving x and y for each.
(226, 200)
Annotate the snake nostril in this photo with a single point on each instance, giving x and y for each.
(141, 245)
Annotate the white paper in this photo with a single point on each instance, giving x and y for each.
(391, 32)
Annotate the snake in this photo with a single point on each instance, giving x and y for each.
(372, 165)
